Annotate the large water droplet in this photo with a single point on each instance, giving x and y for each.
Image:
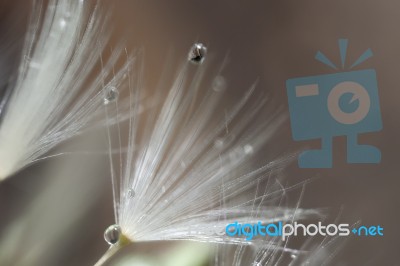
(112, 234)
(110, 94)
(197, 53)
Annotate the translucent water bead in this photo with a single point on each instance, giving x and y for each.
(197, 53)
(131, 193)
(112, 234)
(110, 94)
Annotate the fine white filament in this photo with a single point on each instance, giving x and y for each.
(189, 168)
(53, 98)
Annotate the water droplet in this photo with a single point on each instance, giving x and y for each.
(219, 143)
(293, 256)
(248, 149)
(33, 64)
(219, 84)
(197, 53)
(131, 193)
(112, 234)
(236, 154)
(63, 23)
(110, 94)
(225, 141)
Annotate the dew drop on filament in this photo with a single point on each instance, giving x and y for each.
(110, 94)
(197, 53)
(183, 164)
(112, 234)
(131, 193)
(219, 143)
(248, 149)
(63, 23)
(219, 84)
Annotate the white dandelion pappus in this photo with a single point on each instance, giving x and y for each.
(187, 171)
(58, 89)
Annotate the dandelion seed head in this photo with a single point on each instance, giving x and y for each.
(187, 161)
(57, 93)
(186, 168)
